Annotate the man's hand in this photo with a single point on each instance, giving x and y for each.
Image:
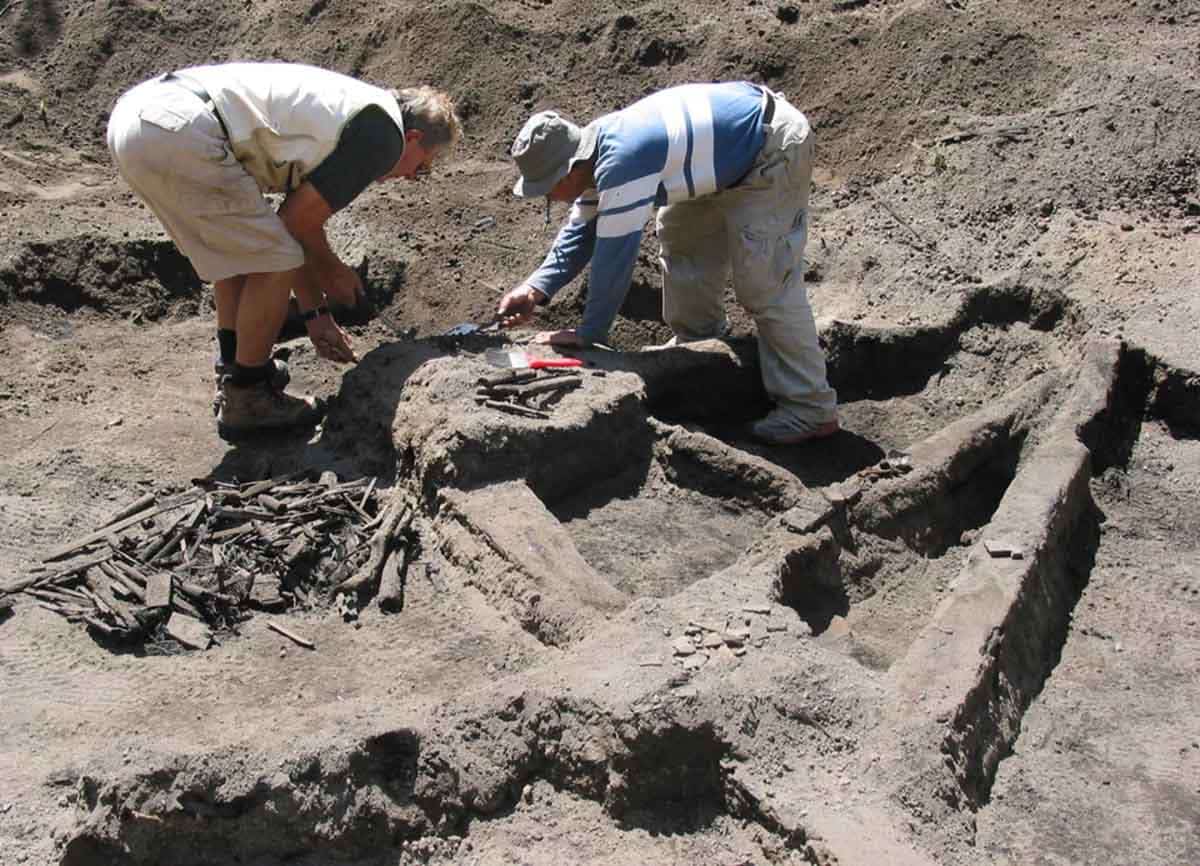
(517, 307)
(560, 338)
(330, 341)
(341, 283)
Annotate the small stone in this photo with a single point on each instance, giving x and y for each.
(189, 632)
(695, 662)
(838, 627)
(527, 793)
(1003, 547)
(650, 662)
(712, 641)
(760, 609)
(683, 646)
(843, 493)
(777, 627)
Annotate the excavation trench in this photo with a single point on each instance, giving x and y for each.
(394, 792)
(150, 281)
(877, 569)
(640, 481)
(1010, 606)
(144, 280)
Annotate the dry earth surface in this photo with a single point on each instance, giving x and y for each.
(631, 636)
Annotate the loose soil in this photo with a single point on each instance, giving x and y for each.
(631, 635)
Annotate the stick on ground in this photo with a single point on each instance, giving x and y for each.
(291, 635)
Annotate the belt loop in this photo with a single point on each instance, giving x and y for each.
(768, 107)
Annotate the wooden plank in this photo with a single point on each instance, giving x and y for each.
(158, 589)
(265, 593)
(124, 523)
(53, 577)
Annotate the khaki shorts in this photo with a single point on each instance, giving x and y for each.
(169, 147)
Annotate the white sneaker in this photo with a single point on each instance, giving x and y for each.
(670, 344)
(782, 427)
(675, 341)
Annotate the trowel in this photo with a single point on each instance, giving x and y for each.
(520, 360)
(463, 329)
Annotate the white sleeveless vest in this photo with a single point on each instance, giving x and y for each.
(283, 119)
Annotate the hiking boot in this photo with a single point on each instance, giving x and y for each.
(781, 427)
(245, 410)
(280, 377)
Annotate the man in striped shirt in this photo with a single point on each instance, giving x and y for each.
(728, 167)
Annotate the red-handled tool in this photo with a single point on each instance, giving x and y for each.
(500, 358)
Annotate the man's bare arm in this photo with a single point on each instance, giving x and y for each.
(304, 213)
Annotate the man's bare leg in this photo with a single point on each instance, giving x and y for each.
(228, 294)
(261, 310)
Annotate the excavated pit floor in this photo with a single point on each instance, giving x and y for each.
(840, 579)
(857, 570)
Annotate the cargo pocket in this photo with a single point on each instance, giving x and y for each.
(168, 117)
(754, 283)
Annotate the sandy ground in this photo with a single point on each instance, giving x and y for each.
(1005, 258)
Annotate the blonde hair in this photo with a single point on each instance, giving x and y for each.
(431, 111)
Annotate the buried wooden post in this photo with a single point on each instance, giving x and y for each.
(398, 519)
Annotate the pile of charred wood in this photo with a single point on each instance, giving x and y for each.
(178, 570)
(529, 393)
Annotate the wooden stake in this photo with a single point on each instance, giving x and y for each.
(391, 583)
(132, 508)
(290, 635)
(400, 516)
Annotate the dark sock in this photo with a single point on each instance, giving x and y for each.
(227, 345)
(252, 375)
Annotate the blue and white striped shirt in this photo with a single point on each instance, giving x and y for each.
(674, 145)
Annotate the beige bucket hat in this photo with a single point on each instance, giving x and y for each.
(546, 148)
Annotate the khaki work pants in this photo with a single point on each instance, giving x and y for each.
(758, 227)
(172, 152)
